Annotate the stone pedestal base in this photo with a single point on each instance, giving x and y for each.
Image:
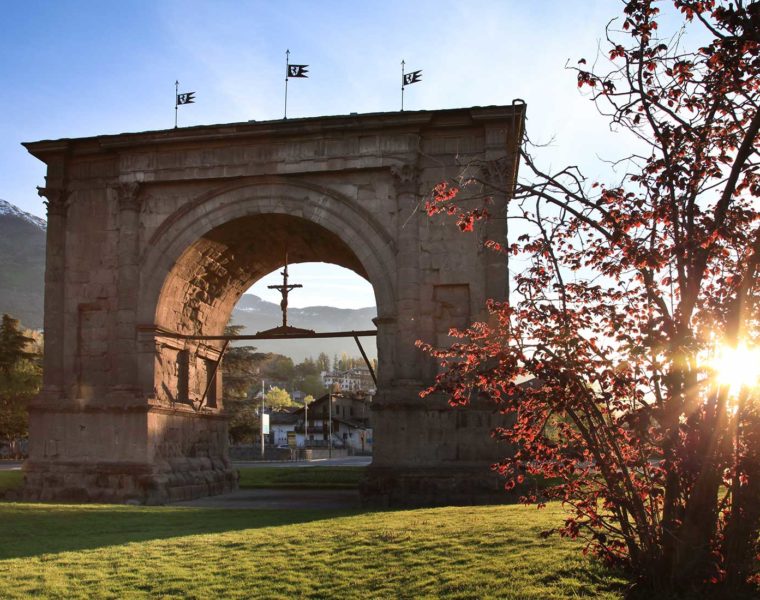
(428, 453)
(128, 452)
(393, 487)
(125, 482)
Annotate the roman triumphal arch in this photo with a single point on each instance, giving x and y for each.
(153, 237)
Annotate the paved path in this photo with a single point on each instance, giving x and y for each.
(349, 461)
(286, 499)
(273, 498)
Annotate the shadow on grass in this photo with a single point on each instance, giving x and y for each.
(28, 529)
(34, 529)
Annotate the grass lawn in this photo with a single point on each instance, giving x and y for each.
(146, 552)
(301, 477)
(114, 551)
(261, 477)
(10, 480)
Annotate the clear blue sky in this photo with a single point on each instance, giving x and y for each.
(72, 68)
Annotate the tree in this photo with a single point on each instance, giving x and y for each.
(277, 398)
(13, 344)
(305, 368)
(312, 385)
(20, 377)
(280, 368)
(631, 292)
(241, 373)
(323, 362)
(244, 425)
(240, 368)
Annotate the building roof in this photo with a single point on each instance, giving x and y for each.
(322, 400)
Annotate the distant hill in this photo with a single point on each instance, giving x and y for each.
(22, 265)
(22, 276)
(256, 315)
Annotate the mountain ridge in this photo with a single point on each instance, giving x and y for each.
(256, 314)
(22, 264)
(8, 209)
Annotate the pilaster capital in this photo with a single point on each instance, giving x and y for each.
(56, 200)
(385, 320)
(494, 173)
(405, 178)
(128, 195)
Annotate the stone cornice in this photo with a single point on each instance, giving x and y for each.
(407, 121)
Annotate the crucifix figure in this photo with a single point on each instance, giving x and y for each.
(285, 290)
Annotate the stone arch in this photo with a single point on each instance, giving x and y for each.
(133, 215)
(195, 237)
(208, 253)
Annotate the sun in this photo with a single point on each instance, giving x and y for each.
(736, 366)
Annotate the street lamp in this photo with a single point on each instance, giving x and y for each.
(262, 419)
(305, 424)
(329, 411)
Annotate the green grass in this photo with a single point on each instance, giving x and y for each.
(260, 477)
(10, 480)
(146, 552)
(301, 477)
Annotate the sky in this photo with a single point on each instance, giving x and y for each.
(72, 68)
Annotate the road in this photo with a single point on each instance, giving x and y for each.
(274, 498)
(350, 461)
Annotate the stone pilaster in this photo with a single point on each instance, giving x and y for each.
(125, 353)
(407, 357)
(56, 202)
(495, 176)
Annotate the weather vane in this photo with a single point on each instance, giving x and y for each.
(285, 289)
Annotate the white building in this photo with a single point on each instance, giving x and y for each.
(351, 380)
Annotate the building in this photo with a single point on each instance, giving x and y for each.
(280, 423)
(350, 424)
(351, 380)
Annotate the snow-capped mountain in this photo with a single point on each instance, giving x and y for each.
(22, 264)
(10, 210)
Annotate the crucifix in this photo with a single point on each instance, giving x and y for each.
(285, 290)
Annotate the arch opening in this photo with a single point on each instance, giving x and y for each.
(206, 282)
(211, 275)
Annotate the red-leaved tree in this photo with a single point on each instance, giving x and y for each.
(631, 295)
